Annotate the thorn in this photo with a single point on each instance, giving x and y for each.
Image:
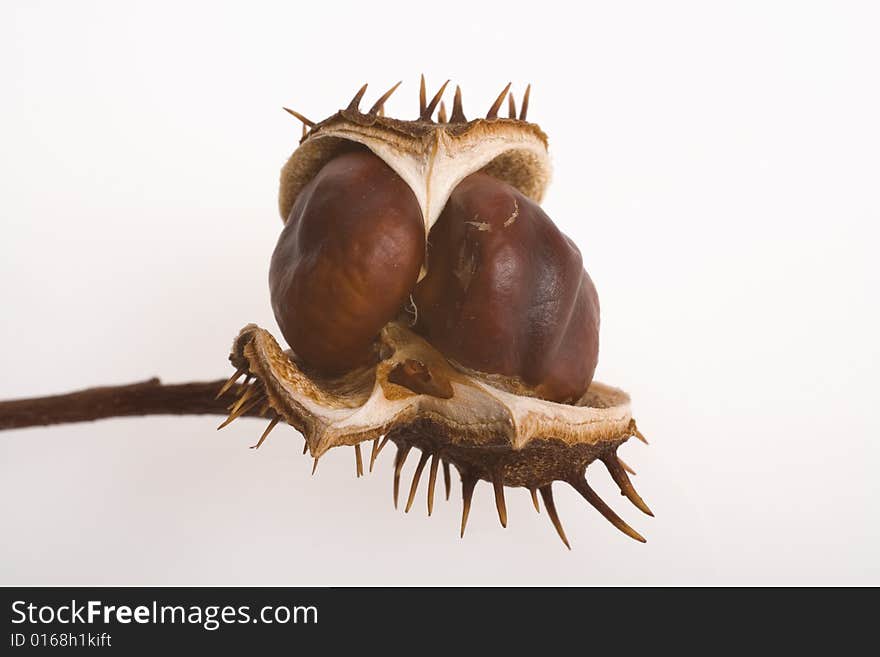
(230, 382)
(457, 110)
(314, 466)
(382, 446)
(547, 496)
(422, 96)
(355, 103)
(511, 106)
(467, 493)
(374, 453)
(618, 474)
(581, 486)
(432, 481)
(271, 426)
(637, 433)
(305, 121)
(441, 115)
(380, 104)
(243, 389)
(525, 106)
(447, 480)
(259, 398)
(417, 475)
(399, 460)
(305, 131)
(493, 111)
(498, 484)
(428, 111)
(359, 460)
(626, 467)
(305, 446)
(248, 393)
(233, 415)
(534, 492)
(382, 111)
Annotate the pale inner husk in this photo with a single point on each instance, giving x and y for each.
(432, 163)
(366, 405)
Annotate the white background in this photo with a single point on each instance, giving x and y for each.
(717, 163)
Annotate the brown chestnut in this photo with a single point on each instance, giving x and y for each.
(346, 261)
(506, 292)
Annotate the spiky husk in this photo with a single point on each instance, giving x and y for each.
(487, 433)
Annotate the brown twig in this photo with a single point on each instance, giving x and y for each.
(145, 398)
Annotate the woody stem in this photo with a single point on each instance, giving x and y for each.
(150, 397)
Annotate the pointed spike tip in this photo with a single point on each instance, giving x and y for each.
(467, 494)
(400, 459)
(374, 453)
(581, 486)
(493, 111)
(618, 474)
(422, 95)
(226, 386)
(534, 494)
(457, 108)
(634, 431)
(524, 110)
(626, 467)
(304, 120)
(359, 461)
(417, 475)
(355, 103)
(240, 410)
(432, 481)
(268, 430)
(380, 104)
(428, 111)
(500, 505)
(547, 496)
(246, 395)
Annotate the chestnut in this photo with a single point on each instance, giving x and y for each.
(506, 292)
(346, 261)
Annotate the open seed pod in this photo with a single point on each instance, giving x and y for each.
(428, 301)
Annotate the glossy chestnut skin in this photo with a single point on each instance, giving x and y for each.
(346, 261)
(506, 292)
